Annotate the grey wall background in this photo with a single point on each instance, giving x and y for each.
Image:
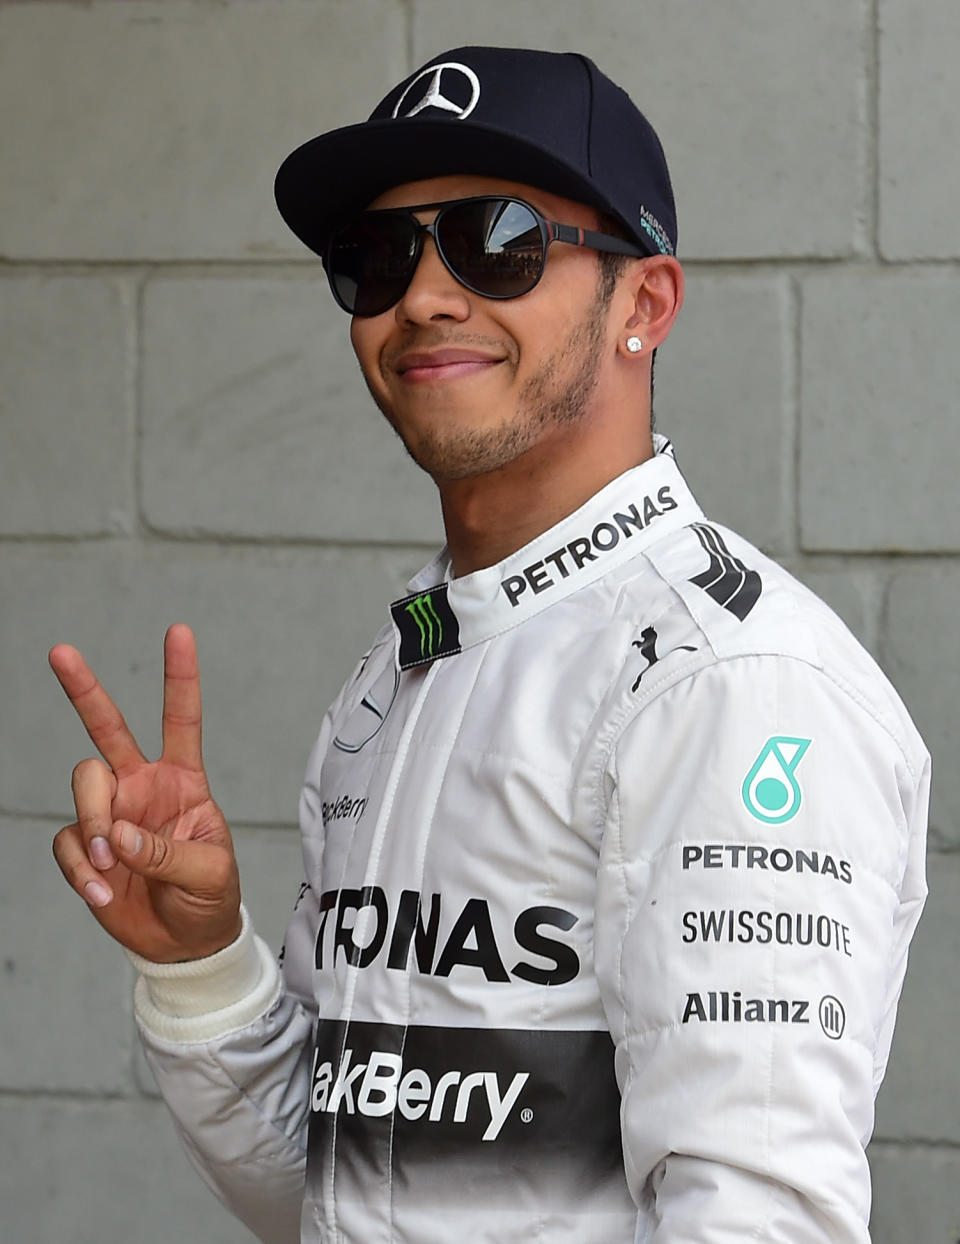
(184, 435)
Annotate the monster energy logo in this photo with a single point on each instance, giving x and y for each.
(422, 610)
(428, 627)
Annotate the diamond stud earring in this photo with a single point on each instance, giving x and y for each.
(634, 345)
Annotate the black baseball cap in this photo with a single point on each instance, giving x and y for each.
(549, 119)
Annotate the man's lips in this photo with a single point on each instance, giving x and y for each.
(446, 364)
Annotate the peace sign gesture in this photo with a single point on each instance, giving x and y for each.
(150, 851)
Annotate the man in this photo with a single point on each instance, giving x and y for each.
(614, 840)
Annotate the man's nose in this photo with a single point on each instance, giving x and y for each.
(434, 292)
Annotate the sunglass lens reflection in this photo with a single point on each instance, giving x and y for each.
(494, 247)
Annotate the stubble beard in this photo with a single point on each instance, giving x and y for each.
(557, 396)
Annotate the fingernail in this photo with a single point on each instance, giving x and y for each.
(96, 894)
(100, 854)
(131, 840)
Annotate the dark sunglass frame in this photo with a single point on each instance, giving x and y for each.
(550, 231)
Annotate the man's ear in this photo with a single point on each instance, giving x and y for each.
(656, 288)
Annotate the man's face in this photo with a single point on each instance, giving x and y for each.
(472, 384)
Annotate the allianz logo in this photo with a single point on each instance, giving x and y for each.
(378, 1087)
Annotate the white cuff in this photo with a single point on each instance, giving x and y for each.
(204, 999)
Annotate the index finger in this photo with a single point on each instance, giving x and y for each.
(103, 720)
(182, 711)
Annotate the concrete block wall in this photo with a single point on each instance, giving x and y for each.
(184, 434)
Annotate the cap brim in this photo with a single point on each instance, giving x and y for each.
(321, 184)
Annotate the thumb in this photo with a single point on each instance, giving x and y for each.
(200, 868)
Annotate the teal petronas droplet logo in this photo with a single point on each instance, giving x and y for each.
(770, 790)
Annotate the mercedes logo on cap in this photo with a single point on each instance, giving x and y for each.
(458, 79)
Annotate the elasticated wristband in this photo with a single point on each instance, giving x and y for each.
(204, 999)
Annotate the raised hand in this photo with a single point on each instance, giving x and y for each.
(150, 851)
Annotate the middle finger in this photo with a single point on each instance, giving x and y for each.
(104, 722)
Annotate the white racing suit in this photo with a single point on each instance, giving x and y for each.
(613, 854)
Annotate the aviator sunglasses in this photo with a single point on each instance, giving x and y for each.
(494, 246)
